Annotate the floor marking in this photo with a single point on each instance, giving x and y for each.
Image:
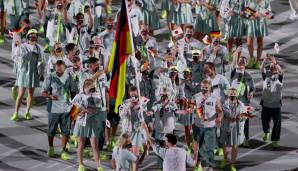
(52, 165)
(255, 149)
(35, 166)
(149, 165)
(10, 152)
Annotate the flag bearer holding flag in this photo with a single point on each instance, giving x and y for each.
(121, 48)
(132, 114)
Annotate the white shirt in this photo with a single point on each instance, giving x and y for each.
(174, 158)
(220, 85)
(187, 47)
(209, 110)
(135, 15)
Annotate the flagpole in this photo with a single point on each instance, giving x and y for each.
(133, 50)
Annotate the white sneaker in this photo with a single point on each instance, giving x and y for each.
(293, 17)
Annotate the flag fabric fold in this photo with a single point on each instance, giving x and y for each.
(121, 49)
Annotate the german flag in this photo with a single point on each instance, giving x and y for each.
(215, 34)
(18, 30)
(122, 47)
(249, 12)
(74, 111)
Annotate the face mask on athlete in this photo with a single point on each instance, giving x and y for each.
(59, 6)
(59, 74)
(145, 74)
(186, 75)
(25, 30)
(92, 90)
(58, 50)
(216, 43)
(189, 35)
(242, 61)
(110, 27)
(164, 97)
(144, 33)
(173, 74)
(32, 38)
(134, 98)
(128, 145)
(205, 90)
(232, 98)
(195, 57)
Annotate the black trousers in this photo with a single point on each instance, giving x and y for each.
(101, 136)
(275, 115)
(246, 129)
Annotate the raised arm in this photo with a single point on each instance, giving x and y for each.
(90, 19)
(161, 152)
(65, 15)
